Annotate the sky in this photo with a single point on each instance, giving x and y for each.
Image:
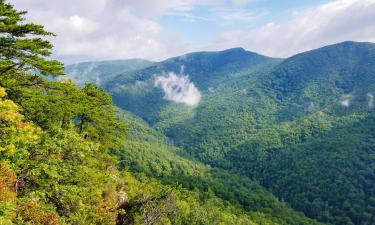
(89, 30)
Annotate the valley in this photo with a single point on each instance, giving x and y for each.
(259, 117)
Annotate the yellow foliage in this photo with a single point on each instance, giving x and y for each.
(2, 92)
(7, 180)
(14, 131)
(9, 111)
(7, 194)
(34, 214)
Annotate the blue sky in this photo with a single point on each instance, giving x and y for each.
(205, 22)
(158, 29)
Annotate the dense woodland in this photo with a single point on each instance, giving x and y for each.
(300, 127)
(59, 147)
(269, 143)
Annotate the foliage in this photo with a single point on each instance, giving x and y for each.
(281, 138)
(57, 175)
(54, 137)
(273, 109)
(55, 163)
(149, 200)
(22, 45)
(147, 153)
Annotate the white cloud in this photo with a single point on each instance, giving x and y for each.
(310, 28)
(104, 29)
(80, 77)
(229, 16)
(80, 24)
(345, 100)
(110, 29)
(178, 88)
(370, 103)
(147, 8)
(242, 2)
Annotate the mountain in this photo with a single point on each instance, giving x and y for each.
(329, 175)
(99, 71)
(186, 78)
(301, 127)
(148, 152)
(229, 137)
(341, 73)
(251, 106)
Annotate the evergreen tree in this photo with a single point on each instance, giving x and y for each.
(22, 47)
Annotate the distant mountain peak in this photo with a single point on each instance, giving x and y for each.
(236, 49)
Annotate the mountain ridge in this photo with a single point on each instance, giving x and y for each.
(251, 107)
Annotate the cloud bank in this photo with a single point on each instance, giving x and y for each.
(113, 29)
(178, 88)
(80, 77)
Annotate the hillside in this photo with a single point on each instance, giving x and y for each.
(194, 73)
(147, 152)
(69, 156)
(226, 137)
(260, 106)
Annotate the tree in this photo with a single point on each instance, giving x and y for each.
(22, 47)
(96, 115)
(8, 196)
(16, 135)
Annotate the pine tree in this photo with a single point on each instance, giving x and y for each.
(22, 47)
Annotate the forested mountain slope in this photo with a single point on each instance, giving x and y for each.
(282, 123)
(148, 153)
(329, 177)
(58, 148)
(138, 90)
